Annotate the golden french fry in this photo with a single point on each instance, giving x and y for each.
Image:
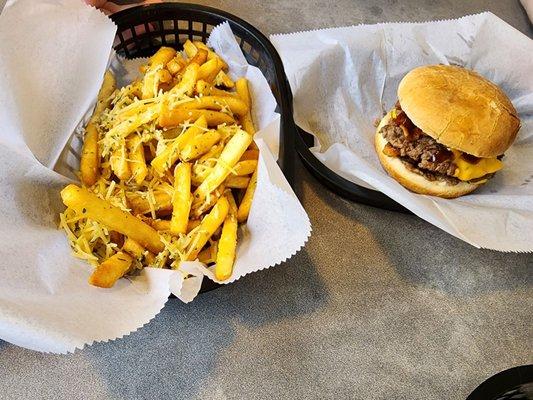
(157, 224)
(136, 88)
(247, 124)
(242, 89)
(208, 255)
(199, 208)
(156, 62)
(222, 79)
(90, 154)
(85, 203)
(178, 115)
(104, 95)
(199, 173)
(210, 53)
(140, 205)
(233, 151)
(176, 64)
(193, 223)
(189, 48)
(133, 248)
(182, 198)
(164, 76)
(111, 270)
(209, 70)
(149, 258)
(246, 167)
(137, 162)
(237, 182)
(250, 155)
(207, 228)
(169, 156)
(213, 153)
(161, 224)
(188, 81)
(200, 57)
(227, 245)
(237, 106)
(119, 164)
(206, 89)
(199, 145)
(246, 202)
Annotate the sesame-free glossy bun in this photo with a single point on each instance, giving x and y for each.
(459, 109)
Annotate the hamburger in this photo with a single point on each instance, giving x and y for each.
(448, 131)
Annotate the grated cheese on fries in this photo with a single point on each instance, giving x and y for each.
(130, 186)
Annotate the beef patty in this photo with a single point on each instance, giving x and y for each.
(421, 152)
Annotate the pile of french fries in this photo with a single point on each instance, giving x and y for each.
(168, 169)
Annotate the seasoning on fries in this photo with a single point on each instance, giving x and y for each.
(163, 160)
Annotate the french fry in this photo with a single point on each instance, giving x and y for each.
(133, 248)
(222, 79)
(241, 86)
(88, 204)
(213, 153)
(156, 62)
(233, 151)
(140, 205)
(199, 145)
(208, 255)
(237, 106)
(209, 70)
(189, 48)
(137, 162)
(176, 64)
(119, 163)
(104, 95)
(90, 154)
(198, 208)
(246, 167)
(227, 243)
(193, 223)
(250, 155)
(246, 202)
(169, 156)
(200, 57)
(188, 81)
(182, 198)
(164, 76)
(206, 89)
(207, 228)
(178, 115)
(149, 258)
(157, 224)
(210, 53)
(237, 182)
(161, 224)
(199, 173)
(111, 270)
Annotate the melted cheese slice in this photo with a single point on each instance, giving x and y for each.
(467, 171)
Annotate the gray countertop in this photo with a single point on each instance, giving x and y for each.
(378, 305)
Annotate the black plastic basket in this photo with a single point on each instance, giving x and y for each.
(142, 30)
(337, 183)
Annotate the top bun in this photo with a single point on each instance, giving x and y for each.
(460, 109)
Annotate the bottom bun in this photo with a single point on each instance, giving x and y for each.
(417, 183)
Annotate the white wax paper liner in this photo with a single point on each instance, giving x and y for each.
(45, 301)
(342, 79)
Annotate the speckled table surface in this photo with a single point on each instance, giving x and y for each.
(379, 305)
